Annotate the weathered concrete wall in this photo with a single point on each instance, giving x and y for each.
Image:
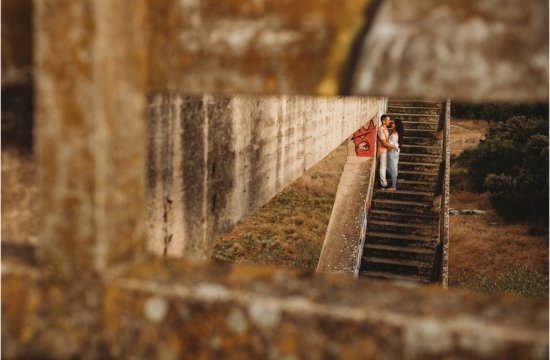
(211, 161)
(19, 198)
(464, 49)
(215, 159)
(342, 240)
(90, 72)
(19, 190)
(171, 309)
(16, 43)
(91, 141)
(267, 46)
(499, 49)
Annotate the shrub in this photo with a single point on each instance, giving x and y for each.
(497, 111)
(512, 164)
(489, 157)
(503, 196)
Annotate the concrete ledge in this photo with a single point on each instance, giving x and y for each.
(175, 309)
(463, 49)
(260, 312)
(341, 245)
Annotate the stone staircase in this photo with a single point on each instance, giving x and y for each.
(402, 235)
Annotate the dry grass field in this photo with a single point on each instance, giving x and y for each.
(465, 133)
(489, 254)
(290, 229)
(485, 253)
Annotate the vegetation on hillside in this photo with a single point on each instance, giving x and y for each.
(497, 111)
(486, 253)
(511, 163)
(508, 174)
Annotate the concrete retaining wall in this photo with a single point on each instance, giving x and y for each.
(214, 159)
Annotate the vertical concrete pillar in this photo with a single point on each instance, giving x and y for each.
(90, 80)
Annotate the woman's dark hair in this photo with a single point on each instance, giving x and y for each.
(400, 131)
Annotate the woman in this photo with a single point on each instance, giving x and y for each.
(396, 139)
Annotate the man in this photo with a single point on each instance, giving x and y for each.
(383, 146)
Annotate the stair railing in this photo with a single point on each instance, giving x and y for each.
(368, 199)
(440, 269)
(362, 238)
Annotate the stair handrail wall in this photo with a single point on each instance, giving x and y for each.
(441, 269)
(382, 110)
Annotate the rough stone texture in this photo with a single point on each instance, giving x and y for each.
(215, 159)
(19, 198)
(498, 48)
(342, 244)
(16, 43)
(258, 312)
(463, 49)
(91, 140)
(19, 191)
(44, 317)
(90, 121)
(172, 309)
(266, 46)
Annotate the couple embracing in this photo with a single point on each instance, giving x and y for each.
(388, 149)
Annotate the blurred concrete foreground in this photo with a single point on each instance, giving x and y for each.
(82, 281)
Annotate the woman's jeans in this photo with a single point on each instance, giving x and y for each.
(393, 159)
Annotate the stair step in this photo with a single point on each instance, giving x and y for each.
(399, 224)
(421, 133)
(402, 227)
(414, 117)
(399, 252)
(380, 274)
(430, 175)
(405, 216)
(422, 149)
(403, 249)
(427, 241)
(428, 110)
(405, 240)
(405, 262)
(418, 118)
(413, 140)
(414, 102)
(422, 158)
(414, 185)
(405, 195)
(417, 166)
(416, 207)
(414, 124)
(400, 269)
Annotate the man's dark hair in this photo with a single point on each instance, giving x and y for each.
(383, 117)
